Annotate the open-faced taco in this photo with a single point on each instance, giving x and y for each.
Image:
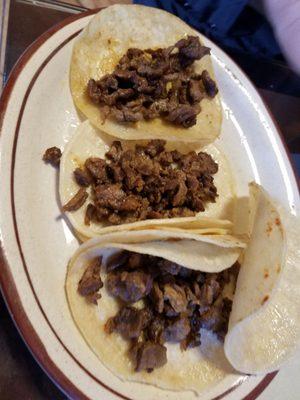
(107, 185)
(158, 312)
(142, 73)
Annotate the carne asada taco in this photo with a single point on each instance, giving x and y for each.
(106, 185)
(141, 73)
(146, 295)
(159, 314)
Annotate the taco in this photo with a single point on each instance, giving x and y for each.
(146, 294)
(161, 310)
(107, 186)
(141, 73)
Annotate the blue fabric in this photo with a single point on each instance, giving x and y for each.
(230, 23)
(296, 158)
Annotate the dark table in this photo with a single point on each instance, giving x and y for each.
(21, 378)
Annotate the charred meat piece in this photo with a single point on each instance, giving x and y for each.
(184, 115)
(125, 114)
(148, 84)
(212, 319)
(157, 298)
(97, 168)
(117, 260)
(90, 282)
(82, 177)
(190, 50)
(209, 84)
(177, 330)
(129, 286)
(76, 201)
(129, 322)
(193, 338)
(112, 196)
(194, 91)
(115, 151)
(176, 296)
(198, 164)
(181, 192)
(52, 156)
(154, 147)
(148, 356)
(135, 260)
(155, 330)
(226, 306)
(210, 291)
(169, 267)
(90, 214)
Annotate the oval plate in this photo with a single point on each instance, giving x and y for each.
(37, 112)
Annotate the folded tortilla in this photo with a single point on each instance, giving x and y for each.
(107, 37)
(264, 326)
(264, 329)
(194, 369)
(90, 142)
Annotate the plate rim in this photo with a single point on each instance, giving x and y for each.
(7, 284)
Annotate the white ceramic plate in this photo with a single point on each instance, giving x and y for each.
(37, 112)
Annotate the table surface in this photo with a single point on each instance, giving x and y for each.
(20, 376)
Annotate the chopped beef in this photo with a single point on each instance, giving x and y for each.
(125, 115)
(82, 177)
(148, 84)
(90, 214)
(212, 319)
(97, 168)
(177, 330)
(174, 303)
(193, 339)
(113, 197)
(52, 156)
(115, 151)
(216, 317)
(194, 91)
(192, 298)
(155, 330)
(76, 201)
(90, 282)
(169, 311)
(154, 147)
(157, 297)
(176, 296)
(135, 260)
(190, 50)
(129, 322)
(117, 260)
(209, 84)
(180, 195)
(148, 356)
(209, 292)
(184, 115)
(146, 182)
(185, 272)
(169, 267)
(129, 286)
